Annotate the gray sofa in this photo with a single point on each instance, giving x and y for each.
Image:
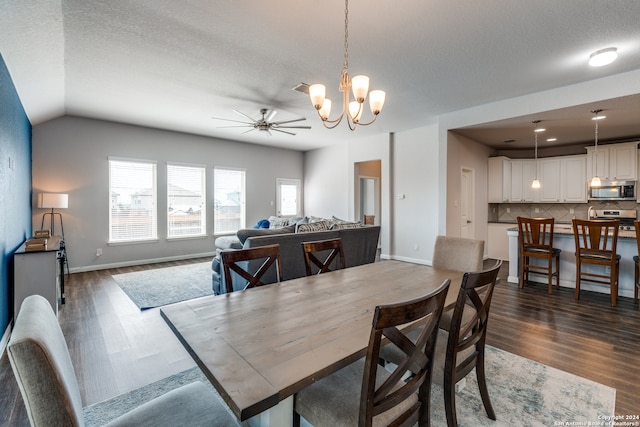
(360, 245)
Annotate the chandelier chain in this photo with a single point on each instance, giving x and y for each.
(346, 34)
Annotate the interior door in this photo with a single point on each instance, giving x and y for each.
(467, 196)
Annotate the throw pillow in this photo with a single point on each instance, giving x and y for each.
(314, 226)
(263, 223)
(245, 233)
(278, 222)
(345, 225)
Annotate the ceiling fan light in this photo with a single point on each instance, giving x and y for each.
(360, 87)
(376, 101)
(325, 110)
(317, 94)
(603, 57)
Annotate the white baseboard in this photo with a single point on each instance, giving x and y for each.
(139, 262)
(5, 339)
(407, 259)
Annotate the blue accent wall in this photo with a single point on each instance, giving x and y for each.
(15, 187)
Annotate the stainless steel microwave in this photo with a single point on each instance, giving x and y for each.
(614, 190)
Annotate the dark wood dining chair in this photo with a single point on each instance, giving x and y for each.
(535, 236)
(461, 341)
(636, 282)
(596, 245)
(243, 262)
(324, 255)
(365, 393)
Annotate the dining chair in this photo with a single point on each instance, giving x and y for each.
(325, 255)
(536, 241)
(458, 254)
(596, 245)
(636, 282)
(461, 341)
(250, 264)
(41, 363)
(365, 393)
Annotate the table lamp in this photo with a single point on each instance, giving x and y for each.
(53, 201)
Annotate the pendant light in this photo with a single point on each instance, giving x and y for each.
(535, 184)
(595, 181)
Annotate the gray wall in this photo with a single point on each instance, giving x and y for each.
(70, 155)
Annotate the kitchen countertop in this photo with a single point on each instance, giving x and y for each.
(567, 229)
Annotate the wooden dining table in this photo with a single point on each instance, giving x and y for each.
(260, 346)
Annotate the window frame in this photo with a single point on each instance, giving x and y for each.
(288, 181)
(154, 203)
(203, 203)
(243, 197)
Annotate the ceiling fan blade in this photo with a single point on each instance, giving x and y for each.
(289, 121)
(249, 125)
(283, 131)
(244, 115)
(248, 130)
(229, 120)
(271, 115)
(291, 127)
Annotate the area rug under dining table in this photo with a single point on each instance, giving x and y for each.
(523, 393)
(161, 286)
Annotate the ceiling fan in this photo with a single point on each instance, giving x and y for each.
(264, 124)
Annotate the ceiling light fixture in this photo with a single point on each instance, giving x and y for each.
(595, 181)
(603, 57)
(535, 184)
(360, 86)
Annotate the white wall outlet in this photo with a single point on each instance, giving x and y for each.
(572, 211)
(508, 210)
(98, 251)
(416, 247)
(537, 210)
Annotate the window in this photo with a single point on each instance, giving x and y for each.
(132, 201)
(186, 213)
(288, 193)
(229, 196)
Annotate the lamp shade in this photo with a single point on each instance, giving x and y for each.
(53, 200)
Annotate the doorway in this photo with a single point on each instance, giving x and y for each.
(367, 192)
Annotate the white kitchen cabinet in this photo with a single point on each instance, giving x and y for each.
(573, 179)
(522, 173)
(623, 160)
(550, 180)
(499, 180)
(615, 162)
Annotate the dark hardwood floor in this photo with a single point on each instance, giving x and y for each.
(116, 348)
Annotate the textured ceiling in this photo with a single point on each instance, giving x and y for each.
(175, 64)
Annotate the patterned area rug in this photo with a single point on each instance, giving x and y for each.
(162, 286)
(523, 393)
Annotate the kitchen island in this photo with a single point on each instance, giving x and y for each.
(563, 239)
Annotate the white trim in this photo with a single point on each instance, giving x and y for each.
(139, 262)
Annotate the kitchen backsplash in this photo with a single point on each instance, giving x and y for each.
(509, 212)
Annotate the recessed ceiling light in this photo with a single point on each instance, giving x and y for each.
(552, 139)
(603, 57)
(598, 117)
(539, 129)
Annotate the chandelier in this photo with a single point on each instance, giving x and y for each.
(360, 86)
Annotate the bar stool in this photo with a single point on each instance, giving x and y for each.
(636, 282)
(596, 244)
(536, 241)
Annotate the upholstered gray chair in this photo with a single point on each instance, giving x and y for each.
(40, 360)
(458, 254)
